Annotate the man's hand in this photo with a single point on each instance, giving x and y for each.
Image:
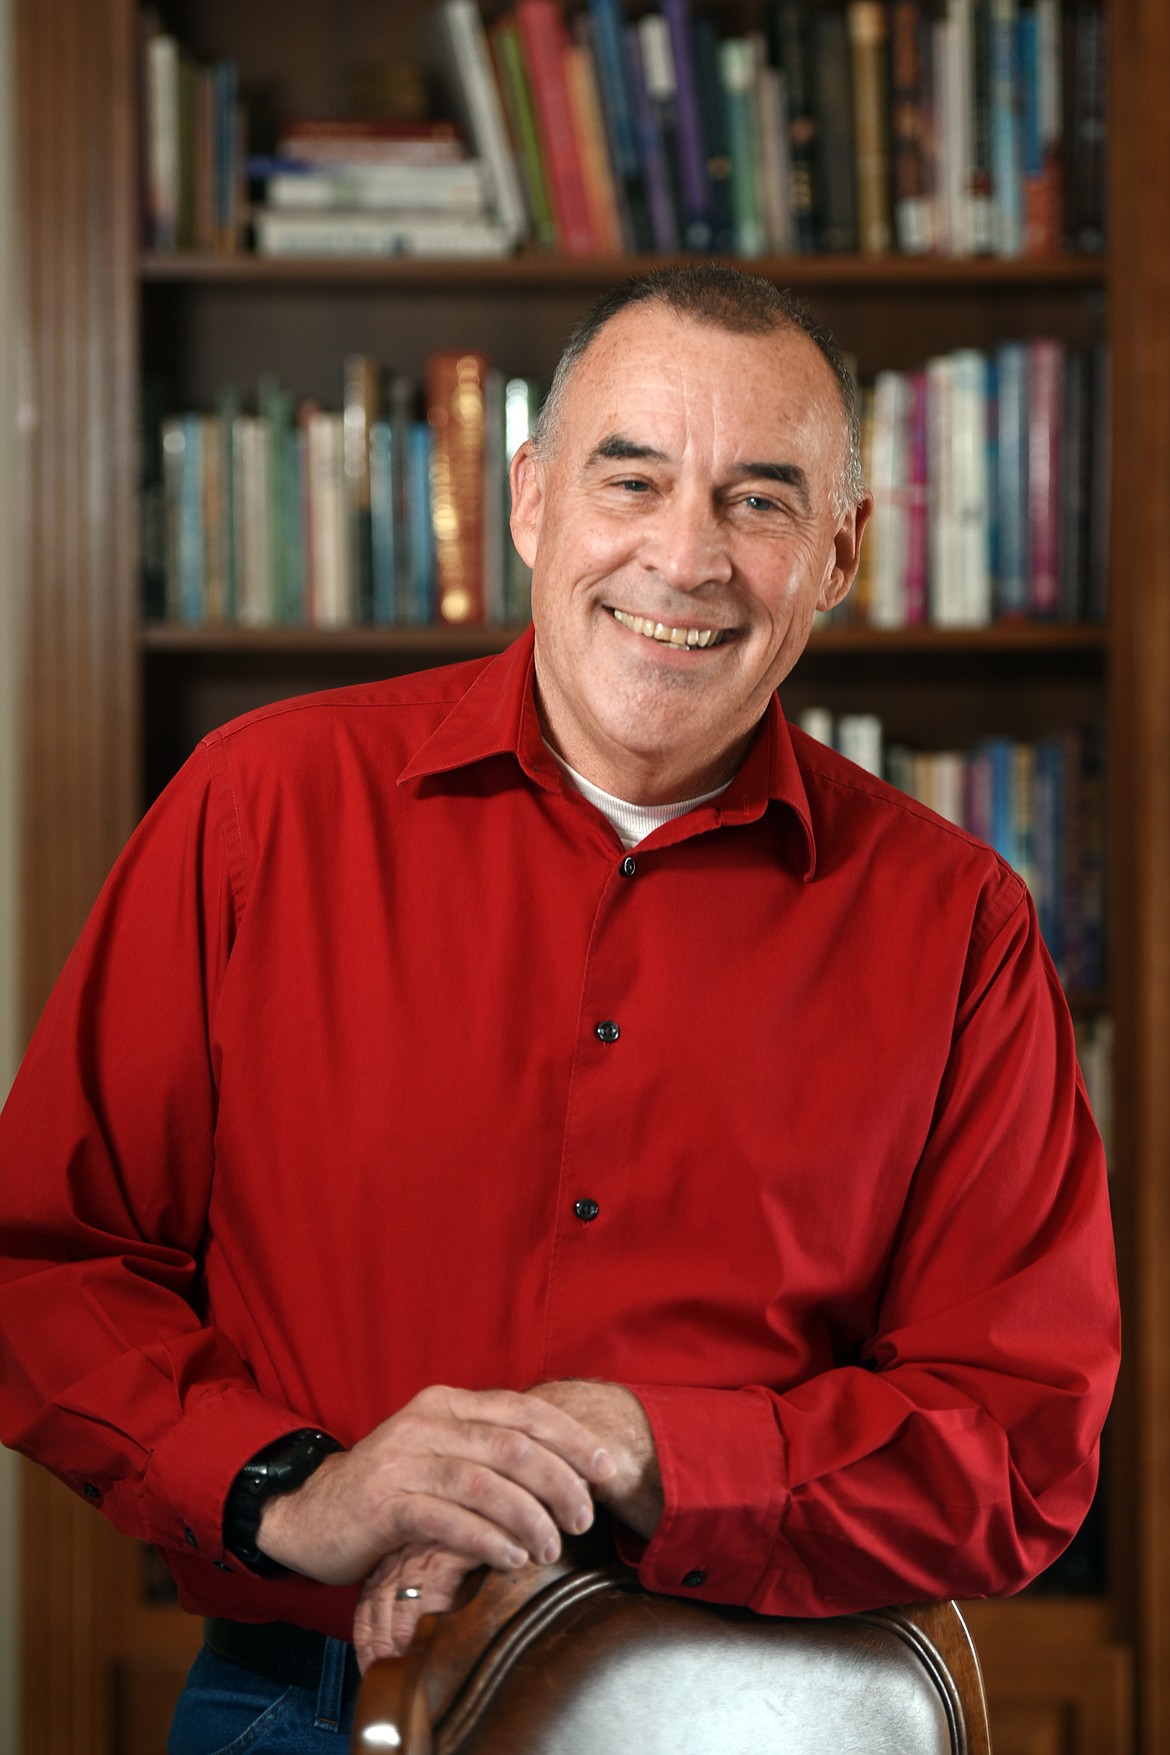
(491, 1476)
(384, 1625)
(619, 1421)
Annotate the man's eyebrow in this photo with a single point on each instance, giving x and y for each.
(788, 474)
(616, 448)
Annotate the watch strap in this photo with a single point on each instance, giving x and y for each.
(279, 1468)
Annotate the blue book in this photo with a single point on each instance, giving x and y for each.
(1007, 194)
(383, 531)
(191, 534)
(420, 534)
(663, 224)
(614, 84)
(692, 144)
(1011, 577)
(1000, 752)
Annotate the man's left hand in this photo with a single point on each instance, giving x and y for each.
(384, 1624)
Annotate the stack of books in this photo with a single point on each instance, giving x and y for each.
(1040, 804)
(392, 510)
(930, 127)
(990, 478)
(192, 193)
(383, 188)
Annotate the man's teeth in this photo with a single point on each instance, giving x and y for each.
(667, 636)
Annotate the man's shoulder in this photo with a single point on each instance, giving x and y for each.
(857, 816)
(397, 712)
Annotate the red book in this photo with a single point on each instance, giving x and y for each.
(1045, 381)
(545, 40)
(455, 410)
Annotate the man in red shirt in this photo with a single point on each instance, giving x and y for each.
(566, 1020)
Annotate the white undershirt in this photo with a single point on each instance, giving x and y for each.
(633, 822)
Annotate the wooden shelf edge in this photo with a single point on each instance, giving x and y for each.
(1000, 637)
(586, 273)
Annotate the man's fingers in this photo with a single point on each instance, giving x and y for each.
(551, 1426)
(385, 1621)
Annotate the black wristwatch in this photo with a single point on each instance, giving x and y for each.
(280, 1468)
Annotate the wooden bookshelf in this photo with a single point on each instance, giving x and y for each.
(109, 703)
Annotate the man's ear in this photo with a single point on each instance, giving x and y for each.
(526, 477)
(846, 553)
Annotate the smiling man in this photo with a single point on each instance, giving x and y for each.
(565, 1028)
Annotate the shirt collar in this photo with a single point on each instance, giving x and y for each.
(497, 716)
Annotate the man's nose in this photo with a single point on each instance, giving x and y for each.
(688, 543)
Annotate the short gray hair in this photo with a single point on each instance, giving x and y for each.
(743, 304)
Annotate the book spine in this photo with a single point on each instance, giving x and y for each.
(836, 145)
(517, 95)
(971, 493)
(1049, 845)
(1045, 372)
(192, 532)
(480, 100)
(1074, 485)
(495, 493)
(420, 530)
(715, 133)
(737, 68)
(1012, 594)
(214, 521)
(1049, 70)
(1005, 153)
(1089, 100)
(868, 42)
(887, 531)
(775, 169)
(792, 30)
(455, 411)
(543, 35)
(384, 533)
(908, 127)
(163, 141)
(944, 573)
(698, 227)
(957, 147)
(617, 105)
(917, 491)
(1097, 584)
(1034, 192)
(1092, 862)
(981, 184)
(332, 602)
(600, 186)
(360, 409)
(662, 94)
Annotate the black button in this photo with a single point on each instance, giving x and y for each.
(606, 1031)
(694, 1579)
(628, 866)
(191, 1539)
(586, 1210)
(90, 1491)
(223, 1566)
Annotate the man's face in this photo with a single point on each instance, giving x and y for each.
(681, 535)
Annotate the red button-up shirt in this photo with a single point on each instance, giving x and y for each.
(310, 1118)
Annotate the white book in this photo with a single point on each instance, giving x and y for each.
(162, 140)
(475, 91)
(250, 489)
(444, 189)
(859, 739)
(972, 506)
(818, 722)
(944, 600)
(888, 532)
(332, 596)
(774, 159)
(353, 233)
(950, 771)
(959, 151)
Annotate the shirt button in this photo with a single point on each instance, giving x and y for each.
(191, 1539)
(222, 1566)
(606, 1031)
(694, 1579)
(90, 1491)
(628, 866)
(586, 1210)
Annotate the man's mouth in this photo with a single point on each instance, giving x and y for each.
(665, 634)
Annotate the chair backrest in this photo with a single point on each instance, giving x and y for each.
(579, 1660)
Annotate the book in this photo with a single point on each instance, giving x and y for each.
(589, 129)
(455, 413)
(496, 497)
(1011, 589)
(972, 591)
(333, 603)
(361, 408)
(835, 134)
(794, 55)
(867, 21)
(737, 68)
(1101, 428)
(252, 529)
(458, 33)
(609, 47)
(698, 229)
(913, 216)
(1075, 485)
(888, 528)
(655, 170)
(512, 75)
(354, 233)
(385, 528)
(715, 134)
(774, 167)
(1045, 382)
(917, 506)
(662, 96)
(453, 189)
(162, 140)
(980, 179)
(1007, 236)
(544, 39)
(419, 524)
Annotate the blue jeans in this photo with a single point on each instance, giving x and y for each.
(227, 1710)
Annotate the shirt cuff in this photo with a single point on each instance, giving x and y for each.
(721, 1456)
(191, 1471)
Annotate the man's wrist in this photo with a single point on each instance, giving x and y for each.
(275, 1471)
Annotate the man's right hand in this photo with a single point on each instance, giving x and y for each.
(492, 1475)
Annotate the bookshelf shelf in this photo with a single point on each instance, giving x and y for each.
(585, 273)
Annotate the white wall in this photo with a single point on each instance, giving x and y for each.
(9, 775)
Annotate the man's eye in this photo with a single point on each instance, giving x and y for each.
(759, 503)
(633, 485)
